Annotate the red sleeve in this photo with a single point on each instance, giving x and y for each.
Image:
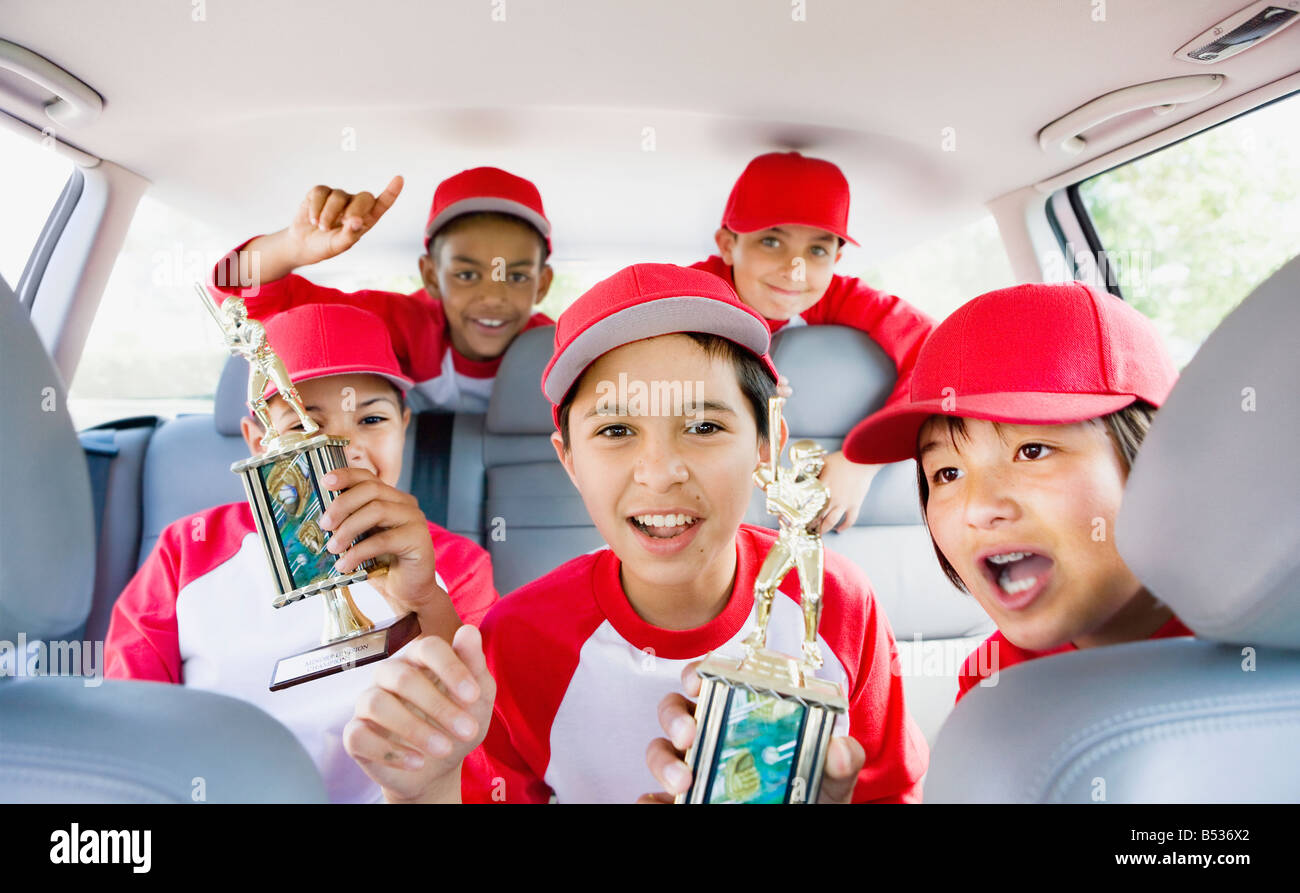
(467, 570)
(496, 771)
(899, 328)
(897, 755)
(143, 640)
(416, 322)
(532, 640)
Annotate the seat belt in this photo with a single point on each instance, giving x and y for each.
(100, 446)
(431, 471)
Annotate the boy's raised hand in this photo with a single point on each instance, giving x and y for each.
(848, 484)
(327, 223)
(398, 529)
(330, 221)
(665, 756)
(426, 710)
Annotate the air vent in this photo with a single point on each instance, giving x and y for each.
(1240, 31)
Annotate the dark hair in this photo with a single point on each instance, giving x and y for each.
(1126, 427)
(751, 374)
(435, 242)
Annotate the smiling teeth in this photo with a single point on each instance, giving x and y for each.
(493, 323)
(1008, 557)
(1011, 587)
(663, 520)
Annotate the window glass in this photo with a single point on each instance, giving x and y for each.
(1190, 230)
(152, 349)
(32, 175)
(941, 274)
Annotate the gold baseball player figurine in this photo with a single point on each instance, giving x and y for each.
(246, 337)
(764, 721)
(797, 498)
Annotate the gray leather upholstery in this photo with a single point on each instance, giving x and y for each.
(1216, 485)
(534, 520)
(71, 739)
(1168, 721)
(47, 544)
(229, 404)
(145, 742)
(1210, 525)
(186, 469)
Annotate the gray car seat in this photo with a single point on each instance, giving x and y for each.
(86, 739)
(1211, 524)
(533, 518)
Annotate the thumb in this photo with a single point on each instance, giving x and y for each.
(844, 760)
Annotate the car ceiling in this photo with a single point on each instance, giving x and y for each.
(234, 116)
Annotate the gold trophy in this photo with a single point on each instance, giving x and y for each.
(287, 499)
(764, 721)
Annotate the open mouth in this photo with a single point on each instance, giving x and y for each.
(1017, 576)
(665, 526)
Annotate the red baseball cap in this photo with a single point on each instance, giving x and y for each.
(486, 189)
(786, 187)
(1037, 354)
(645, 301)
(316, 340)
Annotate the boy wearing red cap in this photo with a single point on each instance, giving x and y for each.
(781, 236)
(1027, 409)
(484, 270)
(199, 610)
(582, 656)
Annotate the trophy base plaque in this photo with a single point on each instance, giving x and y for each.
(347, 653)
(763, 728)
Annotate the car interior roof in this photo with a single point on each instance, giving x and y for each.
(563, 92)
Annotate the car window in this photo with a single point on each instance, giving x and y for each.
(152, 350)
(32, 175)
(1191, 230)
(944, 272)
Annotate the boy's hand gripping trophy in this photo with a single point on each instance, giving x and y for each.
(287, 499)
(764, 721)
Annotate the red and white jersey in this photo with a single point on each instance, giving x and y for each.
(198, 613)
(580, 675)
(899, 328)
(996, 653)
(417, 324)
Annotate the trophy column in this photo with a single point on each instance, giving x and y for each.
(763, 720)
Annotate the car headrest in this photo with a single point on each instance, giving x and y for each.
(829, 405)
(231, 401)
(47, 547)
(518, 405)
(823, 406)
(1210, 521)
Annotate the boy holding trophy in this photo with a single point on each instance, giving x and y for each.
(200, 612)
(582, 656)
